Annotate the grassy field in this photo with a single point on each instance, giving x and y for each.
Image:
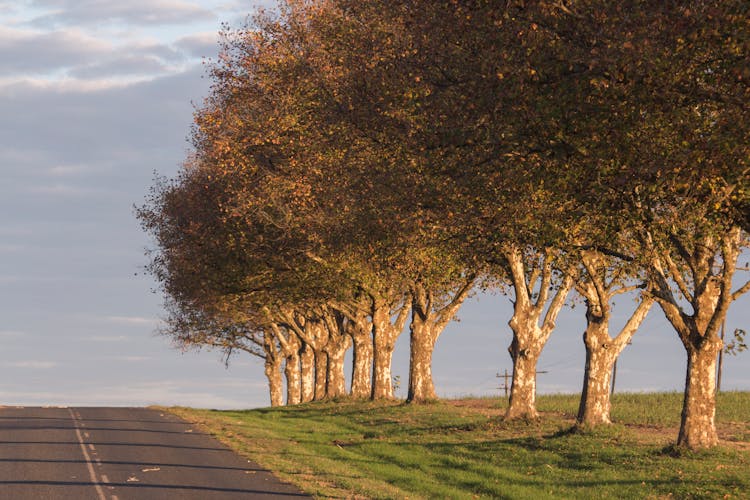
(462, 449)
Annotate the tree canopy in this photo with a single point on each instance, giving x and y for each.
(355, 161)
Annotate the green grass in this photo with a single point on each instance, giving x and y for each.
(462, 449)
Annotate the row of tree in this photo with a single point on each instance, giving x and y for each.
(358, 165)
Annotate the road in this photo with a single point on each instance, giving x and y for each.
(120, 454)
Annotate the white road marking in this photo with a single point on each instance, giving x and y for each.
(89, 465)
(105, 479)
(91, 447)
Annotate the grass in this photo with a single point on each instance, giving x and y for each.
(462, 449)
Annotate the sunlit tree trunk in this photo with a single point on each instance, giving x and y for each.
(273, 373)
(710, 263)
(313, 332)
(292, 371)
(362, 358)
(336, 378)
(698, 427)
(293, 382)
(273, 364)
(290, 347)
(422, 344)
(428, 320)
(384, 336)
(307, 373)
(530, 324)
(338, 342)
(601, 353)
(525, 349)
(321, 375)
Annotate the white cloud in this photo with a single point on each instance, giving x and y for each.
(6, 334)
(69, 170)
(132, 12)
(106, 338)
(20, 85)
(38, 52)
(127, 65)
(11, 248)
(35, 365)
(68, 190)
(131, 320)
(199, 44)
(132, 359)
(164, 393)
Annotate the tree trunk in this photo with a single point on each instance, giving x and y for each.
(293, 382)
(338, 341)
(530, 324)
(601, 353)
(525, 356)
(336, 386)
(273, 374)
(382, 385)
(698, 428)
(428, 320)
(384, 338)
(422, 344)
(362, 363)
(708, 290)
(307, 373)
(321, 375)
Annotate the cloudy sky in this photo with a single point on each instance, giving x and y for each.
(95, 96)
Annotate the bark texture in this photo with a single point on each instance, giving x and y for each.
(293, 378)
(384, 336)
(290, 346)
(336, 378)
(311, 329)
(524, 351)
(595, 406)
(599, 279)
(709, 261)
(422, 343)
(698, 427)
(360, 330)
(273, 373)
(429, 319)
(532, 278)
(338, 342)
(273, 362)
(307, 373)
(321, 375)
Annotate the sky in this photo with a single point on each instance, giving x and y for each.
(96, 96)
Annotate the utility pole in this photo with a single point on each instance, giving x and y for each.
(721, 358)
(506, 376)
(614, 373)
(614, 378)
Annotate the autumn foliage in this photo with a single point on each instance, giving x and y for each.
(360, 166)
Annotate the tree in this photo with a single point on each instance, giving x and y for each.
(664, 136)
(536, 304)
(598, 279)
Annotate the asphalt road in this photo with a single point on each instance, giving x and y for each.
(119, 454)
